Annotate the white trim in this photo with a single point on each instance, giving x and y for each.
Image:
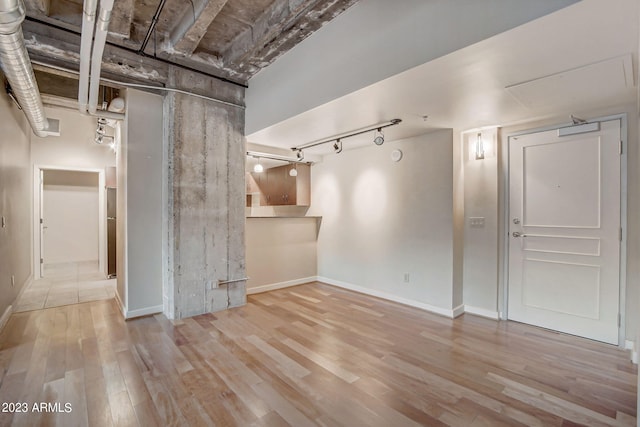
(630, 345)
(5, 317)
(123, 309)
(458, 311)
(281, 285)
(482, 312)
(143, 312)
(379, 294)
(102, 214)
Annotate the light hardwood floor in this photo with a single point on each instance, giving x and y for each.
(304, 356)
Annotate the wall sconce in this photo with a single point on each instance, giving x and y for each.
(479, 147)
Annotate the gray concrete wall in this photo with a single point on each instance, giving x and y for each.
(206, 198)
(15, 202)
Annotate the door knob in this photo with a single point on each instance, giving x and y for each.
(517, 234)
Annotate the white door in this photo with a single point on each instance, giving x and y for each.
(42, 226)
(564, 231)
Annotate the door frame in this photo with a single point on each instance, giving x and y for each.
(503, 282)
(102, 214)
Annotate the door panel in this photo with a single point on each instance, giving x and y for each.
(564, 244)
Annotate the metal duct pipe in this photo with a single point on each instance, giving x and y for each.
(98, 49)
(16, 65)
(88, 26)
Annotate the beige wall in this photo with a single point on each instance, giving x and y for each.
(280, 252)
(15, 203)
(382, 220)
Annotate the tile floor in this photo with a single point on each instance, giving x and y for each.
(65, 284)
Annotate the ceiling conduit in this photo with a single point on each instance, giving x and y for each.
(16, 66)
(88, 26)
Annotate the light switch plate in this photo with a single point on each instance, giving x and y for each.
(476, 221)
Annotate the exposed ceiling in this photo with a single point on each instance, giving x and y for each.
(232, 39)
(576, 60)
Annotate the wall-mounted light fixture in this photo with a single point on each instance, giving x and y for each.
(378, 140)
(479, 147)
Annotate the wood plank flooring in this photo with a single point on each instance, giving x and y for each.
(312, 355)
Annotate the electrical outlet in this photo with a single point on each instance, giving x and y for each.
(210, 285)
(13, 280)
(406, 278)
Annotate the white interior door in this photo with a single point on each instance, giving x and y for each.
(42, 227)
(564, 232)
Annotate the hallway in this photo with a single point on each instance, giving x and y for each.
(64, 284)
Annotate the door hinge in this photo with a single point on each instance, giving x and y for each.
(41, 260)
(621, 234)
(619, 320)
(41, 221)
(620, 147)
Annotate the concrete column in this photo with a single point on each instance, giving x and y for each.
(206, 187)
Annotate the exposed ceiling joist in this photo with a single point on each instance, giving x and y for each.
(121, 18)
(193, 25)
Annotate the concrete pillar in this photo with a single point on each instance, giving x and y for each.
(206, 198)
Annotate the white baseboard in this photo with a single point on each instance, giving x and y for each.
(379, 294)
(123, 309)
(143, 312)
(630, 345)
(458, 311)
(5, 317)
(281, 285)
(483, 312)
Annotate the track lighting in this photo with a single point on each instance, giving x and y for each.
(337, 139)
(379, 139)
(293, 171)
(258, 168)
(337, 146)
(300, 155)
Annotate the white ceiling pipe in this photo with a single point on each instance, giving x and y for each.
(102, 26)
(16, 65)
(88, 27)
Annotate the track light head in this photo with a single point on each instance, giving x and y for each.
(293, 171)
(337, 146)
(379, 139)
(299, 155)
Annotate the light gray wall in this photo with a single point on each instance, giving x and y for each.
(382, 219)
(385, 38)
(15, 201)
(144, 201)
(481, 243)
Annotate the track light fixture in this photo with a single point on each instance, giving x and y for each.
(337, 140)
(300, 155)
(379, 138)
(294, 170)
(337, 146)
(258, 168)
